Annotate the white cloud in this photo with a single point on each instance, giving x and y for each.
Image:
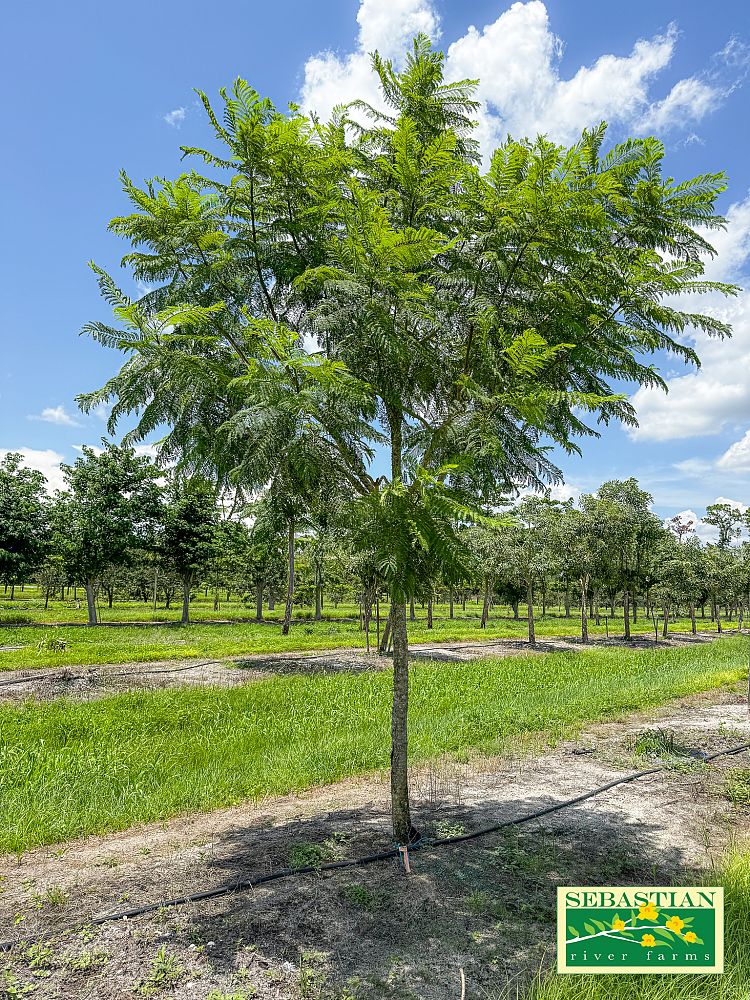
(55, 415)
(516, 58)
(332, 79)
(45, 461)
(717, 395)
(694, 467)
(707, 533)
(176, 117)
(564, 491)
(741, 507)
(736, 458)
(141, 450)
(688, 101)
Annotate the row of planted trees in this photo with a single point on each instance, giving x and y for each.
(324, 292)
(122, 528)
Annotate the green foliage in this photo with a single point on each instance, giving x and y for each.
(24, 520)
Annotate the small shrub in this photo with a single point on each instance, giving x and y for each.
(304, 855)
(51, 644)
(165, 971)
(737, 786)
(39, 955)
(87, 960)
(359, 895)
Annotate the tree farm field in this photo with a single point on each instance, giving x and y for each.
(31, 637)
(147, 795)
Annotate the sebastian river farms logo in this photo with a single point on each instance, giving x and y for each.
(656, 929)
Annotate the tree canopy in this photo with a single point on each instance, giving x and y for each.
(332, 291)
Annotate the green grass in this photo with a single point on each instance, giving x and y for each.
(145, 643)
(71, 768)
(734, 984)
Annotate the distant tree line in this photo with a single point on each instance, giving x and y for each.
(124, 529)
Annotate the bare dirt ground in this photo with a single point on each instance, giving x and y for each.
(85, 683)
(486, 906)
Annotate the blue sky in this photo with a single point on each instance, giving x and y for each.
(99, 87)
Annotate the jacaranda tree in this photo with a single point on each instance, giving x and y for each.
(366, 283)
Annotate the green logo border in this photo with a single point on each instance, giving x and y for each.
(563, 915)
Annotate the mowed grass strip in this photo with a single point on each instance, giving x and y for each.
(71, 768)
(734, 874)
(144, 644)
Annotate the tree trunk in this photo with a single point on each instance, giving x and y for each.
(91, 603)
(318, 601)
(635, 607)
(450, 602)
(514, 605)
(626, 613)
(185, 601)
(665, 626)
(584, 582)
(384, 642)
(429, 611)
(271, 602)
(412, 615)
(693, 626)
(290, 580)
(259, 601)
(530, 607)
(486, 605)
(400, 810)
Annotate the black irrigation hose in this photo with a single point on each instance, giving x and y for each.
(243, 885)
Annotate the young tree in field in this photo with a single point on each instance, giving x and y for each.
(489, 561)
(262, 564)
(24, 521)
(187, 541)
(681, 527)
(107, 511)
(633, 534)
(532, 547)
(717, 567)
(582, 545)
(462, 317)
(727, 519)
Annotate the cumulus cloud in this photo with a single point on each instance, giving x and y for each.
(716, 396)
(55, 415)
(689, 100)
(736, 459)
(516, 58)
(387, 27)
(707, 533)
(176, 117)
(45, 461)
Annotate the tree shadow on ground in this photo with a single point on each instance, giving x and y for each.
(486, 906)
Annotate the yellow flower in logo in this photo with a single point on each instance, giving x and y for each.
(675, 924)
(691, 936)
(618, 925)
(648, 941)
(648, 912)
